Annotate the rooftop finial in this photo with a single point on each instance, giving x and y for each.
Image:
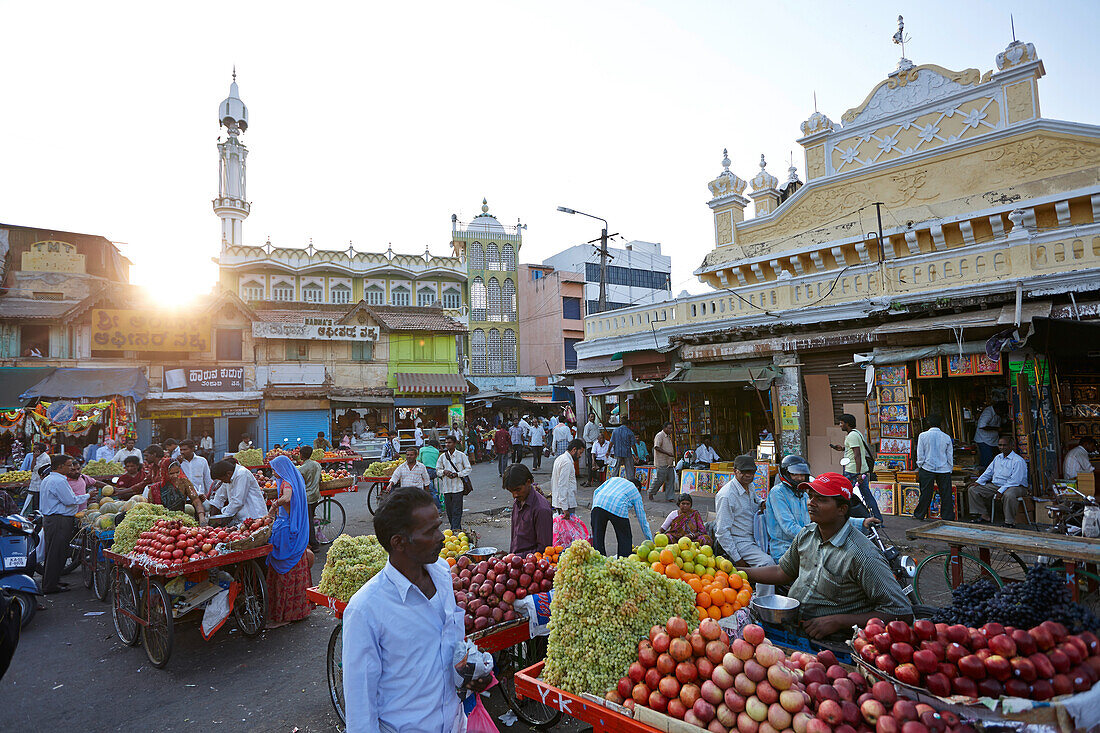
(763, 163)
(725, 160)
(815, 100)
(234, 72)
(901, 39)
(1012, 22)
(484, 206)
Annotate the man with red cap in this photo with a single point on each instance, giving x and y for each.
(837, 575)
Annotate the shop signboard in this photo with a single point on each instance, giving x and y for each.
(315, 329)
(205, 379)
(138, 330)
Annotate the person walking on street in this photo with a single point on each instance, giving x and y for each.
(429, 456)
(39, 459)
(590, 435)
(935, 459)
(622, 449)
(988, 431)
(537, 440)
(664, 458)
(311, 475)
(515, 434)
(59, 508)
(856, 463)
(1005, 478)
(563, 479)
(502, 445)
(612, 502)
(561, 435)
(452, 467)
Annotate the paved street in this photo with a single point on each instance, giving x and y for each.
(71, 669)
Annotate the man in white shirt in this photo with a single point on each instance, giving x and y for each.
(358, 425)
(563, 479)
(195, 467)
(451, 468)
(735, 505)
(989, 430)
(560, 437)
(245, 443)
(239, 494)
(1005, 477)
(935, 459)
(59, 507)
(106, 452)
(402, 676)
(206, 444)
(705, 453)
(128, 449)
(411, 474)
(418, 434)
(536, 439)
(1077, 459)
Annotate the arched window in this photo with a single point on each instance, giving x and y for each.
(475, 256)
(508, 257)
(340, 294)
(425, 297)
(374, 295)
(495, 309)
(313, 293)
(282, 291)
(510, 365)
(508, 294)
(479, 357)
(452, 299)
(252, 291)
(478, 302)
(496, 350)
(399, 295)
(492, 257)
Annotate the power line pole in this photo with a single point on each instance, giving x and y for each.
(603, 269)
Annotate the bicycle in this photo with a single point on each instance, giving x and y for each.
(1067, 519)
(329, 520)
(377, 491)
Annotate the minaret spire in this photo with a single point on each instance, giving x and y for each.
(231, 205)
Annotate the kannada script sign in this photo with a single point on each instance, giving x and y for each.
(135, 330)
(205, 379)
(315, 329)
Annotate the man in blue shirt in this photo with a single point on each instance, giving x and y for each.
(622, 449)
(612, 502)
(402, 628)
(1006, 478)
(59, 507)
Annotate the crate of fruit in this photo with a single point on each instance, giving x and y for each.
(339, 483)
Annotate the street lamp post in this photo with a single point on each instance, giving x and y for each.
(603, 254)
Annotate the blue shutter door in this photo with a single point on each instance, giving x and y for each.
(294, 424)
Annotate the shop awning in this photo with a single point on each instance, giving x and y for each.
(561, 394)
(716, 374)
(1003, 317)
(16, 380)
(886, 356)
(1065, 337)
(630, 386)
(77, 382)
(409, 383)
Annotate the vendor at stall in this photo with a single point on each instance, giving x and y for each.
(1004, 479)
(239, 495)
(173, 490)
(834, 571)
(1077, 459)
(289, 561)
(133, 481)
(532, 516)
(685, 522)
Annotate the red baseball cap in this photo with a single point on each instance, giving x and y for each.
(829, 484)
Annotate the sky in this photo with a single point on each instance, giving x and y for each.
(372, 122)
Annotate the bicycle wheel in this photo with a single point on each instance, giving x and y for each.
(158, 635)
(512, 660)
(1008, 564)
(76, 550)
(250, 608)
(330, 523)
(334, 666)
(101, 576)
(375, 495)
(88, 550)
(125, 598)
(932, 582)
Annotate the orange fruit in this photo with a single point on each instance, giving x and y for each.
(451, 561)
(736, 582)
(701, 612)
(717, 598)
(674, 572)
(730, 594)
(658, 568)
(703, 600)
(696, 584)
(667, 557)
(727, 609)
(721, 583)
(715, 612)
(736, 607)
(743, 597)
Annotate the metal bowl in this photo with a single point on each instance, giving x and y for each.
(477, 554)
(775, 609)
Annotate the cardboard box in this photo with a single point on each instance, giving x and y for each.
(1086, 483)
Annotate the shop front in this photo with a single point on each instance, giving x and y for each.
(75, 405)
(294, 416)
(226, 416)
(426, 399)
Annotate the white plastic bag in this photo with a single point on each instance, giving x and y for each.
(1090, 524)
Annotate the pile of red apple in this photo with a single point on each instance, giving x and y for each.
(487, 590)
(751, 686)
(169, 542)
(992, 661)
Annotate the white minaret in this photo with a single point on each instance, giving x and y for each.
(230, 205)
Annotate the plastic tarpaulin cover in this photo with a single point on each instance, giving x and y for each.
(77, 382)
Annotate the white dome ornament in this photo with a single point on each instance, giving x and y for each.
(726, 183)
(763, 180)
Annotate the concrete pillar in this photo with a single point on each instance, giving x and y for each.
(788, 386)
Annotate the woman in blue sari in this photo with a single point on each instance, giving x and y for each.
(288, 565)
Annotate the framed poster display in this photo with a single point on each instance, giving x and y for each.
(984, 365)
(895, 430)
(893, 413)
(893, 376)
(960, 366)
(687, 480)
(893, 395)
(930, 367)
(896, 445)
(909, 497)
(884, 496)
(893, 461)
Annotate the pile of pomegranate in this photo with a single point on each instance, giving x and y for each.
(486, 590)
(992, 661)
(169, 542)
(750, 686)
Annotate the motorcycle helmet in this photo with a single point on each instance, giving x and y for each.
(791, 465)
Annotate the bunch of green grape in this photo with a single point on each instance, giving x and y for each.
(351, 562)
(601, 608)
(140, 518)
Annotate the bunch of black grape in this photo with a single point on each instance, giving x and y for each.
(966, 603)
(1042, 596)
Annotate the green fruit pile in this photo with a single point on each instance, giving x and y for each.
(382, 468)
(103, 467)
(351, 562)
(250, 457)
(12, 477)
(601, 608)
(140, 518)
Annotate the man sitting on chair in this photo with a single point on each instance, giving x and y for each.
(1004, 478)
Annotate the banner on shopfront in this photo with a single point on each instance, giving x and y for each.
(226, 412)
(205, 379)
(315, 329)
(136, 330)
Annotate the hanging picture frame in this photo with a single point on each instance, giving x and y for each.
(893, 461)
(960, 366)
(890, 375)
(896, 445)
(893, 395)
(893, 413)
(985, 366)
(895, 430)
(885, 496)
(929, 367)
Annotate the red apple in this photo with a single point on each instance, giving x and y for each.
(1057, 630)
(972, 666)
(977, 641)
(899, 631)
(872, 710)
(964, 686)
(924, 629)
(886, 663)
(734, 700)
(830, 712)
(1059, 660)
(744, 686)
(955, 652)
(1041, 690)
(1017, 688)
(1043, 638)
(722, 678)
(753, 634)
(1002, 645)
(755, 671)
(958, 634)
(938, 684)
(1044, 669)
(936, 648)
(887, 724)
(732, 664)
(745, 723)
(766, 693)
(904, 710)
(925, 661)
(907, 674)
(882, 641)
(1023, 669)
(992, 629)
(1025, 645)
(902, 652)
(990, 687)
(998, 667)
(1091, 641)
(884, 692)
(844, 687)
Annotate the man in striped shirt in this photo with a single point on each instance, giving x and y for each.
(840, 578)
(611, 502)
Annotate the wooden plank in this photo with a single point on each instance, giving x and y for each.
(1005, 538)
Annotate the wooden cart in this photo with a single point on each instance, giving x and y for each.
(603, 719)
(144, 610)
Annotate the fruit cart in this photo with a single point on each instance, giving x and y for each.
(508, 641)
(143, 608)
(602, 717)
(95, 568)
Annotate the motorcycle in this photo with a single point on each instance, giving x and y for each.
(18, 560)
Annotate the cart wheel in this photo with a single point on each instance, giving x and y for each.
(158, 635)
(375, 495)
(76, 550)
(334, 665)
(125, 598)
(88, 549)
(250, 608)
(101, 576)
(932, 582)
(330, 524)
(508, 662)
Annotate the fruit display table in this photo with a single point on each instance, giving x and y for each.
(602, 718)
(144, 609)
